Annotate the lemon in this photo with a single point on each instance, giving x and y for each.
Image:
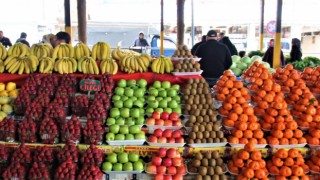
(11, 86)
(2, 86)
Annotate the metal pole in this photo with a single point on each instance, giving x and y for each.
(262, 25)
(82, 20)
(67, 17)
(162, 30)
(277, 44)
(192, 23)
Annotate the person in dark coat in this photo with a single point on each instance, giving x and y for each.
(60, 37)
(141, 42)
(4, 40)
(225, 40)
(295, 53)
(268, 56)
(215, 58)
(23, 39)
(195, 47)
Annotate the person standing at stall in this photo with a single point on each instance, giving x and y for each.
(226, 41)
(4, 40)
(195, 47)
(215, 58)
(60, 37)
(268, 56)
(23, 39)
(295, 53)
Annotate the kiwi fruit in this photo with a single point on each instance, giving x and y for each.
(206, 177)
(197, 141)
(193, 135)
(202, 170)
(202, 128)
(220, 134)
(196, 162)
(190, 141)
(223, 140)
(197, 112)
(215, 177)
(189, 81)
(208, 128)
(189, 124)
(215, 155)
(209, 101)
(213, 118)
(203, 100)
(187, 107)
(196, 80)
(195, 107)
(218, 170)
(216, 140)
(216, 127)
(210, 171)
(185, 111)
(208, 155)
(200, 106)
(200, 86)
(209, 140)
(212, 162)
(223, 177)
(190, 66)
(205, 106)
(202, 80)
(206, 91)
(204, 162)
(206, 134)
(203, 112)
(196, 101)
(219, 162)
(190, 101)
(186, 92)
(203, 140)
(206, 118)
(198, 156)
(199, 177)
(213, 134)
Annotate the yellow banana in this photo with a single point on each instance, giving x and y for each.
(21, 68)
(94, 52)
(84, 67)
(79, 64)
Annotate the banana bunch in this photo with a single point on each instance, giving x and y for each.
(119, 54)
(1, 66)
(134, 63)
(25, 64)
(63, 50)
(109, 66)
(80, 50)
(65, 65)
(46, 65)
(3, 52)
(162, 65)
(41, 50)
(88, 65)
(18, 49)
(101, 51)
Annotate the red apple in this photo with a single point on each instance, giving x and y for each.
(162, 152)
(156, 115)
(180, 140)
(172, 153)
(159, 122)
(177, 162)
(162, 140)
(167, 162)
(176, 123)
(153, 139)
(159, 177)
(181, 169)
(167, 133)
(165, 115)
(167, 177)
(156, 160)
(178, 155)
(152, 169)
(171, 140)
(157, 132)
(177, 177)
(151, 121)
(167, 123)
(172, 170)
(174, 116)
(176, 134)
(161, 169)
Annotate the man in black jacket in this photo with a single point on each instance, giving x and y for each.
(215, 58)
(225, 40)
(195, 47)
(4, 40)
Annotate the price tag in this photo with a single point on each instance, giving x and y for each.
(90, 85)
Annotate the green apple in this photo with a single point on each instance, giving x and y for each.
(168, 99)
(138, 166)
(133, 98)
(117, 167)
(159, 98)
(173, 104)
(165, 84)
(128, 103)
(123, 157)
(118, 104)
(156, 84)
(162, 93)
(122, 83)
(125, 112)
(129, 137)
(142, 111)
(128, 166)
(135, 113)
(129, 121)
(163, 103)
(134, 129)
(123, 98)
(151, 98)
(133, 157)
(112, 158)
(128, 92)
(114, 112)
(131, 83)
(119, 91)
(149, 110)
(107, 166)
(171, 92)
(159, 110)
(138, 92)
(177, 98)
(153, 104)
(124, 129)
(120, 121)
(142, 99)
(169, 110)
(176, 87)
(111, 121)
(153, 92)
(138, 103)
(177, 110)
(142, 83)
(110, 136)
(116, 97)
(114, 128)
(119, 137)
(141, 135)
(140, 120)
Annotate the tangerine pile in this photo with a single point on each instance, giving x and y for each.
(313, 135)
(256, 70)
(287, 164)
(314, 162)
(248, 163)
(311, 75)
(283, 74)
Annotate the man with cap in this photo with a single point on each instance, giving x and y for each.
(215, 58)
(23, 39)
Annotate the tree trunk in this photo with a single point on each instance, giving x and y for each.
(180, 22)
(82, 20)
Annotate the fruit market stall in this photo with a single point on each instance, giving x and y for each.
(142, 122)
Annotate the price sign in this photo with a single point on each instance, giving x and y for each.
(90, 85)
(271, 27)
